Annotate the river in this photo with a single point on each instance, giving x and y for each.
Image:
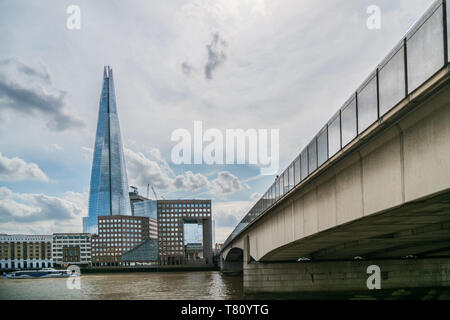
(147, 285)
(198, 285)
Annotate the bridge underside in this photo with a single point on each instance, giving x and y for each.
(419, 228)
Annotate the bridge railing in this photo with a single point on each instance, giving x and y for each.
(417, 57)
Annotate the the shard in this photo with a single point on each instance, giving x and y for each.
(109, 183)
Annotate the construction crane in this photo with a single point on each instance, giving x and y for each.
(154, 192)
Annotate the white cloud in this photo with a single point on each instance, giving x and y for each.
(87, 153)
(225, 183)
(255, 196)
(191, 181)
(54, 147)
(29, 90)
(40, 213)
(16, 169)
(143, 170)
(227, 215)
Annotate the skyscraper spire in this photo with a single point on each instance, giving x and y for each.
(108, 193)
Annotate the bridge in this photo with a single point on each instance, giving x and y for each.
(371, 189)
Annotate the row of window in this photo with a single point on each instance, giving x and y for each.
(184, 205)
(185, 210)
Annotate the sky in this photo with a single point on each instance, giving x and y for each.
(250, 64)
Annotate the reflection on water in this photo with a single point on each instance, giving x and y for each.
(180, 286)
(151, 285)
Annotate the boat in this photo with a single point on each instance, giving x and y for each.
(41, 273)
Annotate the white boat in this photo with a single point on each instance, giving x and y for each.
(42, 273)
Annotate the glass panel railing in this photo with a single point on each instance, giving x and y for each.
(348, 121)
(280, 187)
(286, 181)
(322, 146)
(367, 103)
(392, 80)
(304, 164)
(425, 51)
(334, 135)
(291, 176)
(297, 171)
(312, 156)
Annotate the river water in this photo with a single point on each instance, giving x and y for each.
(198, 285)
(147, 285)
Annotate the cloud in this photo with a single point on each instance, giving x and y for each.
(227, 215)
(87, 153)
(186, 68)
(16, 169)
(216, 55)
(225, 183)
(191, 181)
(255, 196)
(28, 90)
(18, 209)
(151, 168)
(154, 170)
(143, 170)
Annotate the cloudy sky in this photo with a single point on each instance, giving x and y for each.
(263, 64)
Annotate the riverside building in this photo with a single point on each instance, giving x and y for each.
(25, 251)
(71, 249)
(117, 235)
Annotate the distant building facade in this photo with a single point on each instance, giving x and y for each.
(25, 251)
(145, 254)
(117, 235)
(144, 207)
(172, 216)
(218, 247)
(72, 249)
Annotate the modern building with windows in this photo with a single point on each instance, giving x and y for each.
(72, 249)
(109, 183)
(117, 235)
(144, 207)
(173, 215)
(20, 251)
(145, 254)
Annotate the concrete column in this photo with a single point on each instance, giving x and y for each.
(337, 276)
(231, 267)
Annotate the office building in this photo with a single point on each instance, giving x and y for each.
(173, 215)
(71, 249)
(25, 251)
(117, 235)
(145, 254)
(144, 207)
(108, 193)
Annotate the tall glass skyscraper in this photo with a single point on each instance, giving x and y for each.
(109, 183)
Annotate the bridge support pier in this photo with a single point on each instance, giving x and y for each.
(260, 277)
(231, 267)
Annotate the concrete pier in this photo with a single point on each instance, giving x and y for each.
(344, 275)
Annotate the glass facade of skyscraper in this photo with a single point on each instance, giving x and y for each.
(109, 183)
(145, 208)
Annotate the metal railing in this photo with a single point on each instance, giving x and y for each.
(418, 56)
